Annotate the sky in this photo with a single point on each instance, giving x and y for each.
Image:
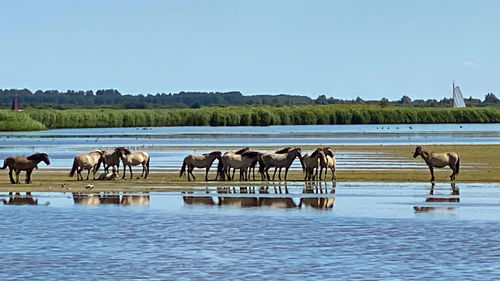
(341, 49)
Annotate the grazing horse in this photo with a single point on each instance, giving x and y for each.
(20, 163)
(439, 160)
(89, 161)
(279, 160)
(133, 159)
(199, 161)
(239, 161)
(328, 164)
(311, 162)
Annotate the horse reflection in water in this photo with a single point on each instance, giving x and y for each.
(320, 202)
(453, 197)
(15, 198)
(262, 196)
(125, 199)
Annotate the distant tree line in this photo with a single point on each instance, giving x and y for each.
(111, 98)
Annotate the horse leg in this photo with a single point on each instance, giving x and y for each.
(333, 174)
(17, 176)
(28, 176)
(267, 173)
(206, 173)
(286, 172)
(279, 174)
(88, 173)
(275, 169)
(189, 177)
(432, 172)
(124, 170)
(190, 170)
(130, 169)
(10, 176)
(452, 177)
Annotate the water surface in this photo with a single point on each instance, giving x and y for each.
(361, 231)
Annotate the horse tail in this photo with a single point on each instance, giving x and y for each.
(73, 169)
(457, 166)
(183, 169)
(5, 165)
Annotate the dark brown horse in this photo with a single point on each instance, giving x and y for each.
(20, 163)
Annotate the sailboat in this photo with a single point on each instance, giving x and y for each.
(458, 99)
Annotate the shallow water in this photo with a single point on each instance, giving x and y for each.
(169, 145)
(316, 232)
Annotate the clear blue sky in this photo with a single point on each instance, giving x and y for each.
(343, 49)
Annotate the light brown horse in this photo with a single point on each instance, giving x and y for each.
(439, 160)
(20, 163)
(279, 160)
(328, 164)
(199, 161)
(89, 161)
(239, 161)
(220, 167)
(133, 159)
(311, 163)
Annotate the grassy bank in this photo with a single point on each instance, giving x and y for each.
(18, 121)
(160, 180)
(261, 116)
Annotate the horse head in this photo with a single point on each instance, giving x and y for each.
(122, 151)
(39, 157)
(217, 154)
(243, 150)
(328, 151)
(417, 152)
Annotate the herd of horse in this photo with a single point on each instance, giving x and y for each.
(245, 160)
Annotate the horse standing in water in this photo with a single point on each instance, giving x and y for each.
(89, 161)
(20, 163)
(133, 159)
(439, 160)
(199, 161)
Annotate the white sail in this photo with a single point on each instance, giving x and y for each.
(458, 99)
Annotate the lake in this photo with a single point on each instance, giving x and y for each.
(169, 145)
(302, 231)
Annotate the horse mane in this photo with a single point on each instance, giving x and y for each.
(124, 150)
(328, 151)
(283, 150)
(250, 154)
(315, 153)
(241, 151)
(37, 156)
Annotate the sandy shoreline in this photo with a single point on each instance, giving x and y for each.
(483, 160)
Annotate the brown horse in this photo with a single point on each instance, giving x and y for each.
(111, 159)
(279, 160)
(20, 163)
(311, 162)
(89, 161)
(199, 161)
(133, 159)
(439, 160)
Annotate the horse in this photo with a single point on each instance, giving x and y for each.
(439, 160)
(20, 163)
(328, 164)
(109, 176)
(279, 151)
(239, 161)
(279, 160)
(220, 167)
(133, 159)
(111, 159)
(199, 161)
(89, 161)
(311, 162)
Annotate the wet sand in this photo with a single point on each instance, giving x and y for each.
(480, 163)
